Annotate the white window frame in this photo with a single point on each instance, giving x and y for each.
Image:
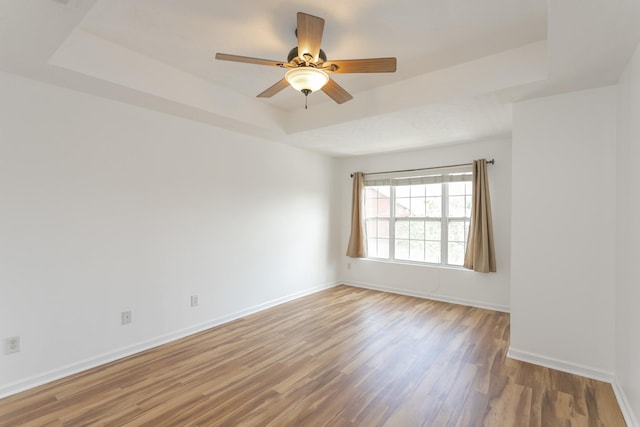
(430, 176)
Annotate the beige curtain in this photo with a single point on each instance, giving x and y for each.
(357, 241)
(480, 253)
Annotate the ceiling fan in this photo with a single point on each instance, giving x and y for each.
(308, 67)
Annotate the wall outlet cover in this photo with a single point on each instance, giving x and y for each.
(11, 345)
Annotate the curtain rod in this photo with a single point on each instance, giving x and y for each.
(491, 162)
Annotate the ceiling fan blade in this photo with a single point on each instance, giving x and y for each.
(309, 33)
(248, 60)
(371, 65)
(336, 92)
(269, 92)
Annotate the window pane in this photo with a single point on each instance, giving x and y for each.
(457, 188)
(370, 201)
(433, 189)
(433, 252)
(383, 248)
(383, 207)
(434, 207)
(416, 250)
(370, 207)
(402, 249)
(418, 207)
(402, 230)
(377, 201)
(456, 206)
(456, 231)
(456, 253)
(377, 248)
(468, 191)
(416, 230)
(372, 228)
(432, 230)
(402, 207)
(384, 191)
(403, 191)
(371, 192)
(372, 247)
(383, 228)
(417, 190)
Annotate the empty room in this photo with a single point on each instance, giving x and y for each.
(298, 213)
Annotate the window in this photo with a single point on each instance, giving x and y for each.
(421, 219)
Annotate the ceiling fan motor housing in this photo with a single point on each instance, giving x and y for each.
(293, 54)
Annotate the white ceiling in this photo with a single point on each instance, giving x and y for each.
(461, 63)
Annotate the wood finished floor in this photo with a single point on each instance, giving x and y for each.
(341, 357)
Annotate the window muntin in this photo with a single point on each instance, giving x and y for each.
(419, 219)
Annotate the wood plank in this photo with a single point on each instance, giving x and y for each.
(341, 357)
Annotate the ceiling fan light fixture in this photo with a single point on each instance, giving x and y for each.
(306, 79)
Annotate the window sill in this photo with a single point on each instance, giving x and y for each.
(416, 263)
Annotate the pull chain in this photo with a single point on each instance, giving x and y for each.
(306, 95)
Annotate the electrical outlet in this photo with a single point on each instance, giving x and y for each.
(126, 317)
(194, 300)
(11, 345)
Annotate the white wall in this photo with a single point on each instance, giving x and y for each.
(455, 285)
(105, 207)
(627, 338)
(563, 231)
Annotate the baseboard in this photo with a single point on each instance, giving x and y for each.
(624, 404)
(93, 362)
(432, 296)
(561, 365)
